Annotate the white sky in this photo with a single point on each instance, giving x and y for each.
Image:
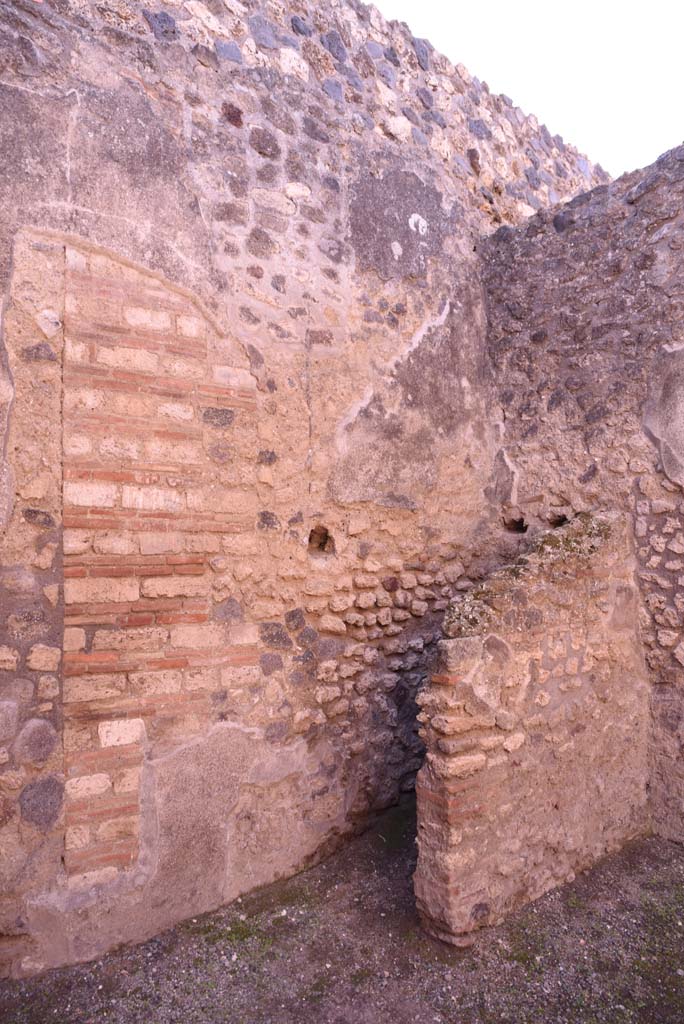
(606, 75)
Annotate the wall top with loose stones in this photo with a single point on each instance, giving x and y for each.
(362, 75)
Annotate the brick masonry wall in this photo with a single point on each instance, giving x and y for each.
(251, 228)
(152, 487)
(537, 725)
(163, 663)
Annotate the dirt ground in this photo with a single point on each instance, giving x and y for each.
(341, 944)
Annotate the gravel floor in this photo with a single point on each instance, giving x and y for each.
(340, 944)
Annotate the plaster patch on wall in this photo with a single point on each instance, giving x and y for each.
(6, 400)
(418, 223)
(664, 414)
(397, 222)
(364, 403)
(386, 441)
(232, 825)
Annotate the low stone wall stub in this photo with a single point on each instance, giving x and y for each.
(536, 727)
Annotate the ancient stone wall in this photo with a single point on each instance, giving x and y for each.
(585, 308)
(31, 596)
(264, 412)
(243, 375)
(586, 311)
(537, 726)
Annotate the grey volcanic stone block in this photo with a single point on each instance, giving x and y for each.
(35, 742)
(40, 802)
